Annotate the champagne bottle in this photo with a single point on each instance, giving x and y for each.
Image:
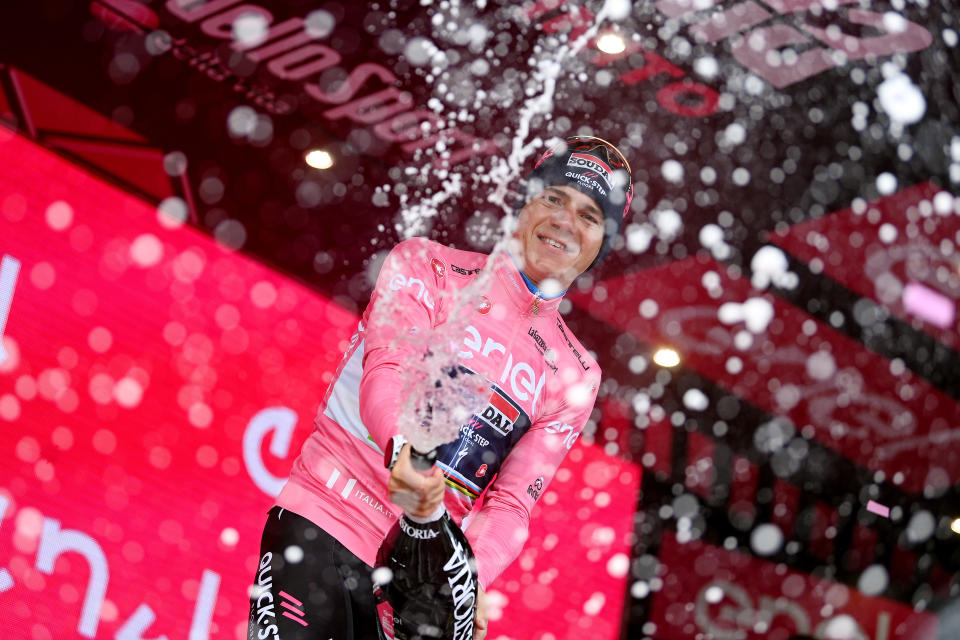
(425, 580)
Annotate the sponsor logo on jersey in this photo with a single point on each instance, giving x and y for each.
(549, 355)
(464, 272)
(535, 488)
(438, 267)
(462, 452)
(521, 376)
(484, 306)
(500, 414)
(570, 345)
(569, 433)
(488, 439)
(266, 614)
(540, 342)
(373, 503)
(593, 164)
(469, 432)
(294, 608)
(588, 182)
(400, 281)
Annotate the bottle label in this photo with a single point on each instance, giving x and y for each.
(463, 590)
(435, 554)
(385, 615)
(416, 532)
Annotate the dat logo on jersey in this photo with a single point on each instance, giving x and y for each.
(500, 414)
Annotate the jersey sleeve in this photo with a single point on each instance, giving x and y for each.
(405, 302)
(499, 529)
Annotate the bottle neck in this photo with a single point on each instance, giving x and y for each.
(433, 517)
(423, 462)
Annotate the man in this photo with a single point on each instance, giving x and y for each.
(321, 537)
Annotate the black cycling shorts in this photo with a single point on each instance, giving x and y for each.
(308, 586)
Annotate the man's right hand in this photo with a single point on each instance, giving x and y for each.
(411, 490)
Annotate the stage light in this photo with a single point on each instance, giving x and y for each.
(319, 159)
(955, 526)
(666, 357)
(611, 43)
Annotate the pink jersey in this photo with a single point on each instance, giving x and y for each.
(543, 384)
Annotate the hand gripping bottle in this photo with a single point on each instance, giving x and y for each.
(425, 580)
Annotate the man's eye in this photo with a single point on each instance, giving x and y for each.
(591, 218)
(553, 200)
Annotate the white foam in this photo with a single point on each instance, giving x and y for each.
(901, 99)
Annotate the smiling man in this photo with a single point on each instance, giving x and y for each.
(338, 504)
(559, 234)
(584, 195)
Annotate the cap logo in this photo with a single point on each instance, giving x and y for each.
(592, 163)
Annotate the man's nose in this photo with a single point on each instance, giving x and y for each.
(562, 217)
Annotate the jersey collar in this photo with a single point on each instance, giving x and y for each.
(533, 288)
(522, 291)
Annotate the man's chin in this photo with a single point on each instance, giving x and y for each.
(564, 275)
(546, 268)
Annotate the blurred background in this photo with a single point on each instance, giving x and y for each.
(196, 197)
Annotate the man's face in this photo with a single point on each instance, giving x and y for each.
(560, 232)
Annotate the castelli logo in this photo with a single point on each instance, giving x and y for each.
(484, 306)
(482, 471)
(124, 15)
(438, 267)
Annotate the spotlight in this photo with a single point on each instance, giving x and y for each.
(611, 43)
(319, 159)
(955, 526)
(666, 357)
